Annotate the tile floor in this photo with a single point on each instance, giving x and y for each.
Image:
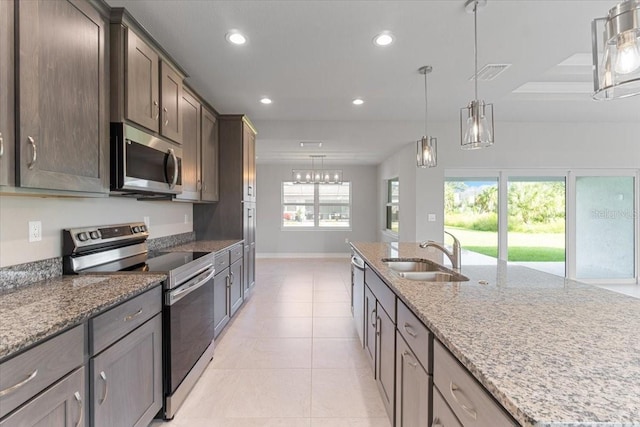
(290, 358)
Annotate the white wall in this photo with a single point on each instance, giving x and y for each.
(272, 240)
(166, 218)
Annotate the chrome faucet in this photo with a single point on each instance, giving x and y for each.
(454, 255)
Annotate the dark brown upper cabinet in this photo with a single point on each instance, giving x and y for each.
(7, 97)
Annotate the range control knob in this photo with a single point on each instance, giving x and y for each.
(94, 235)
(136, 229)
(143, 228)
(83, 237)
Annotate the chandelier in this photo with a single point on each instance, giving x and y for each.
(317, 175)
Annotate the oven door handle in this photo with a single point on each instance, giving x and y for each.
(175, 296)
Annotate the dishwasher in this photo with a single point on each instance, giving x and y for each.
(357, 294)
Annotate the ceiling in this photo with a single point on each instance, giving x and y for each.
(313, 57)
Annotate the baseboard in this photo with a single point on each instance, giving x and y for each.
(303, 255)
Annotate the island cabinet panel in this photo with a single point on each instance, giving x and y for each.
(468, 400)
(413, 388)
(416, 335)
(7, 100)
(142, 90)
(442, 414)
(370, 324)
(63, 405)
(385, 358)
(62, 103)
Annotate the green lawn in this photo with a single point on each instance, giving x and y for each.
(540, 247)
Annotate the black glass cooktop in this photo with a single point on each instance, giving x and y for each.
(153, 262)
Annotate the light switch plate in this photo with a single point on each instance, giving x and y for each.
(431, 217)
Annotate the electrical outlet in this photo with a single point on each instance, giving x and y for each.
(346, 240)
(147, 221)
(35, 231)
(431, 217)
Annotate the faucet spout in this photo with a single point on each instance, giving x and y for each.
(454, 255)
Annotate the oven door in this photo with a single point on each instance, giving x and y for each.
(188, 326)
(141, 162)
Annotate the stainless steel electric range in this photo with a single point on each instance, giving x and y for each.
(188, 323)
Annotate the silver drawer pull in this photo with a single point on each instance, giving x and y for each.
(20, 384)
(106, 387)
(79, 399)
(157, 108)
(470, 411)
(373, 323)
(166, 116)
(1, 145)
(34, 153)
(134, 315)
(407, 354)
(231, 277)
(410, 330)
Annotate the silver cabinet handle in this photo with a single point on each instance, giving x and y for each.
(18, 385)
(470, 411)
(228, 282)
(106, 387)
(1, 145)
(409, 329)
(79, 400)
(373, 317)
(406, 354)
(378, 325)
(34, 154)
(198, 185)
(174, 181)
(231, 277)
(157, 108)
(134, 315)
(166, 116)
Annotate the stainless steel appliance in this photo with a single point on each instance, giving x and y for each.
(142, 163)
(188, 322)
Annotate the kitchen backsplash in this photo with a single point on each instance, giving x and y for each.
(16, 276)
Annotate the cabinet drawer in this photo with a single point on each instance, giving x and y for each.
(222, 260)
(383, 294)
(471, 403)
(442, 414)
(415, 334)
(112, 325)
(30, 372)
(236, 252)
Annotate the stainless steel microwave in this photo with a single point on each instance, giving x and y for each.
(143, 163)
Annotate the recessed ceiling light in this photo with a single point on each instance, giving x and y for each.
(266, 100)
(358, 101)
(236, 37)
(385, 38)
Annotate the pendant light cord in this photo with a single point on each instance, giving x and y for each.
(475, 45)
(426, 104)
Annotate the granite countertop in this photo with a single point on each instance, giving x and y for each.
(33, 313)
(553, 352)
(203, 246)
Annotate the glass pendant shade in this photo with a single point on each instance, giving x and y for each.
(476, 125)
(616, 52)
(427, 152)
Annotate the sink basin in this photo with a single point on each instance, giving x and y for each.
(421, 265)
(423, 270)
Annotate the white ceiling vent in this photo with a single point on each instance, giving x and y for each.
(490, 71)
(311, 144)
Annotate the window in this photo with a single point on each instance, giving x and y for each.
(393, 205)
(316, 205)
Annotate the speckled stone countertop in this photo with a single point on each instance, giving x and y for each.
(553, 352)
(33, 313)
(203, 246)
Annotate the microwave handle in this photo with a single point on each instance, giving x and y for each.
(175, 171)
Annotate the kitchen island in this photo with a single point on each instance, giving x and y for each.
(552, 352)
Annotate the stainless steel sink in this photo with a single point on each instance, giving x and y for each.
(423, 270)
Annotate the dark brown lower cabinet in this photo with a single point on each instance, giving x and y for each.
(63, 405)
(370, 324)
(385, 358)
(221, 312)
(235, 286)
(126, 378)
(413, 386)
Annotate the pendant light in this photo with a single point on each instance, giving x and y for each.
(476, 119)
(427, 145)
(313, 175)
(616, 52)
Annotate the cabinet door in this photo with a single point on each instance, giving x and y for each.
(209, 191)
(220, 301)
(235, 286)
(126, 379)
(385, 358)
(191, 182)
(358, 301)
(171, 98)
(370, 324)
(249, 163)
(62, 405)
(141, 83)
(63, 113)
(7, 118)
(412, 388)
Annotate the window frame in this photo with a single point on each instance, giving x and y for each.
(389, 206)
(316, 208)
